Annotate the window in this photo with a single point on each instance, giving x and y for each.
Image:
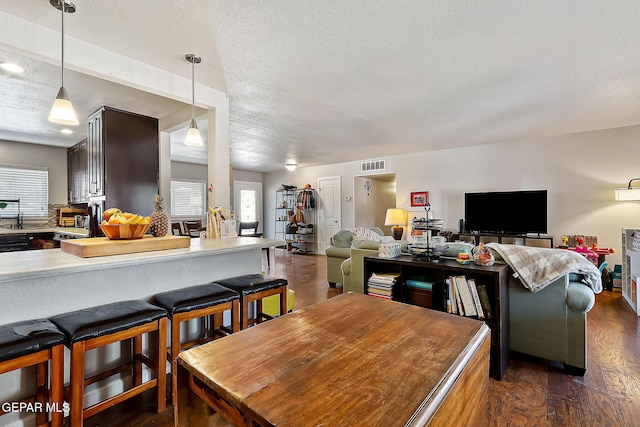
(30, 185)
(188, 198)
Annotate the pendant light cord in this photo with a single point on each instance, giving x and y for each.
(62, 59)
(193, 90)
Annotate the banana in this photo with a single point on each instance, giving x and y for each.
(110, 212)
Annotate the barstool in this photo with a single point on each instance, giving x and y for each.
(37, 342)
(107, 324)
(196, 302)
(253, 288)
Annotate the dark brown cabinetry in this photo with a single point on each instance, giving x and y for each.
(122, 149)
(77, 179)
(495, 278)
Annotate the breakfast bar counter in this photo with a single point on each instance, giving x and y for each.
(45, 283)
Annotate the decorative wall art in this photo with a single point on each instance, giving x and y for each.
(419, 198)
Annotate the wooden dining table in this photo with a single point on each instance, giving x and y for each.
(353, 360)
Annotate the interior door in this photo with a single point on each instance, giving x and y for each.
(247, 202)
(329, 209)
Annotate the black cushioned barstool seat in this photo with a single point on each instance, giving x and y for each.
(197, 302)
(106, 324)
(36, 342)
(107, 319)
(255, 287)
(194, 298)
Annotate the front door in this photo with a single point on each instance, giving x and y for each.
(329, 210)
(247, 202)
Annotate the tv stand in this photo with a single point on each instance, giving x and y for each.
(515, 239)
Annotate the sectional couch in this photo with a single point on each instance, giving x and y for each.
(550, 324)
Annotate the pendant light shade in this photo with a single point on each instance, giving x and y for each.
(62, 110)
(193, 134)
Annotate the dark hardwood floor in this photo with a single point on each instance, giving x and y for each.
(533, 392)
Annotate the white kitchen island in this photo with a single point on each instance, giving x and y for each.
(43, 283)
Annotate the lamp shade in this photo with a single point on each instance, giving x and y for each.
(62, 111)
(193, 138)
(627, 194)
(396, 216)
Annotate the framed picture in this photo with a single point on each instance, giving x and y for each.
(419, 198)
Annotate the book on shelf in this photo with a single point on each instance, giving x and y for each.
(465, 296)
(452, 307)
(484, 301)
(381, 284)
(456, 295)
(379, 289)
(476, 299)
(420, 284)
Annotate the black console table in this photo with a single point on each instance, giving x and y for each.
(495, 278)
(476, 238)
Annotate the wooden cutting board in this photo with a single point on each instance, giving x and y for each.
(101, 246)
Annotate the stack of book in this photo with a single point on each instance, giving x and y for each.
(381, 285)
(466, 298)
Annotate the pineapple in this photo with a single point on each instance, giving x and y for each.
(159, 221)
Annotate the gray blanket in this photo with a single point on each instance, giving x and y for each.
(538, 267)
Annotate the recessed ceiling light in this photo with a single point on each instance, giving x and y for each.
(11, 67)
(66, 131)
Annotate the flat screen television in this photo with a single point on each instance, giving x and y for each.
(508, 212)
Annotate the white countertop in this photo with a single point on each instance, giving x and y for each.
(42, 263)
(71, 231)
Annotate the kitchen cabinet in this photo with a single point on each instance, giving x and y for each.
(77, 178)
(123, 166)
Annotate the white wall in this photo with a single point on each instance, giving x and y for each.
(579, 171)
(52, 158)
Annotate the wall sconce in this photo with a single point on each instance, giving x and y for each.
(368, 187)
(628, 194)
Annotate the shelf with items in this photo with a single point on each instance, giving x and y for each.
(514, 239)
(429, 290)
(12, 206)
(295, 219)
(631, 267)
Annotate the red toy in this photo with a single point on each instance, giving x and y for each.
(580, 248)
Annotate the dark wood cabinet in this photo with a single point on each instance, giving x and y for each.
(95, 154)
(123, 163)
(495, 278)
(77, 178)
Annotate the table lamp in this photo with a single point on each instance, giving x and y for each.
(396, 218)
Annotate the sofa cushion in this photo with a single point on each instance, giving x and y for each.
(580, 297)
(374, 246)
(342, 239)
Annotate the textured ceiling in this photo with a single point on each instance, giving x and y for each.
(322, 82)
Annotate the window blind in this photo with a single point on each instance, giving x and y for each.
(29, 185)
(188, 198)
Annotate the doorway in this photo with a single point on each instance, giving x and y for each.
(329, 210)
(372, 196)
(247, 202)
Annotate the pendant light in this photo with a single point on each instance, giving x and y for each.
(62, 111)
(193, 135)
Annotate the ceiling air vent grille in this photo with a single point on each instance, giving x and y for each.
(372, 165)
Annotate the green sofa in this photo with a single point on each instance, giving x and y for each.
(340, 250)
(552, 323)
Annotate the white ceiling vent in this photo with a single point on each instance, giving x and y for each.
(372, 166)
